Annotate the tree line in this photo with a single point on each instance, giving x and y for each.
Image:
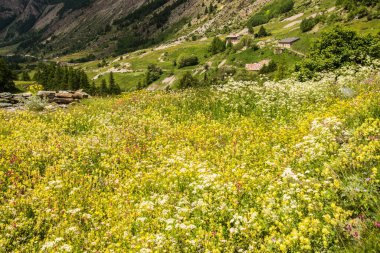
(56, 77)
(6, 77)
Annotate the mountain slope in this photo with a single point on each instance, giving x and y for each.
(41, 22)
(65, 26)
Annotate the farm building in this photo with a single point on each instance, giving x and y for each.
(288, 42)
(257, 66)
(234, 39)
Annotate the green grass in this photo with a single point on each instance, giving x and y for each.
(23, 85)
(251, 56)
(126, 81)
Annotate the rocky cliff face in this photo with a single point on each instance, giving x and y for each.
(64, 26)
(42, 21)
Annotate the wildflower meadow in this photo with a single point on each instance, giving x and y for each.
(263, 166)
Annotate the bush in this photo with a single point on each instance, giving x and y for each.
(308, 24)
(35, 103)
(262, 32)
(226, 71)
(188, 81)
(271, 67)
(246, 41)
(114, 88)
(270, 11)
(185, 61)
(217, 46)
(153, 74)
(337, 48)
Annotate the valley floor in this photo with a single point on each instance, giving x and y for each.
(279, 167)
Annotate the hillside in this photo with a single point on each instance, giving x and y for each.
(130, 69)
(190, 126)
(41, 26)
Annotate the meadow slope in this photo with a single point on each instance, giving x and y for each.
(246, 167)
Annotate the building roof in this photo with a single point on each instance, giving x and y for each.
(289, 40)
(257, 66)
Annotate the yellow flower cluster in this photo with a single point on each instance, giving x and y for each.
(189, 172)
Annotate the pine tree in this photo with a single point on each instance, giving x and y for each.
(114, 88)
(262, 32)
(103, 88)
(6, 77)
(217, 46)
(84, 83)
(93, 89)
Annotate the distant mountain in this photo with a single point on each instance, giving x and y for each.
(106, 26)
(43, 25)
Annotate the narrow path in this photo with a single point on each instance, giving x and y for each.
(296, 52)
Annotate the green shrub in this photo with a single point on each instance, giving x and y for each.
(35, 103)
(246, 41)
(271, 67)
(308, 24)
(185, 61)
(262, 32)
(153, 74)
(188, 81)
(217, 46)
(336, 48)
(270, 11)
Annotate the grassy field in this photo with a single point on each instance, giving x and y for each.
(278, 167)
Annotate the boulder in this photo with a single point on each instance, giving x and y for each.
(78, 95)
(63, 100)
(6, 95)
(64, 95)
(5, 105)
(46, 94)
(26, 95)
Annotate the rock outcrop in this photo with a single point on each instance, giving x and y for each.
(8, 100)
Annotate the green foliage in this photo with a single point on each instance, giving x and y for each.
(271, 67)
(262, 32)
(336, 48)
(153, 74)
(185, 61)
(217, 46)
(35, 103)
(359, 8)
(355, 4)
(270, 11)
(188, 81)
(25, 76)
(87, 58)
(55, 77)
(130, 42)
(309, 23)
(6, 77)
(114, 88)
(104, 88)
(245, 41)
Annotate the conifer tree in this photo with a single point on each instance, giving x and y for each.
(103, 87)
(113, 86)
(6, 77)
